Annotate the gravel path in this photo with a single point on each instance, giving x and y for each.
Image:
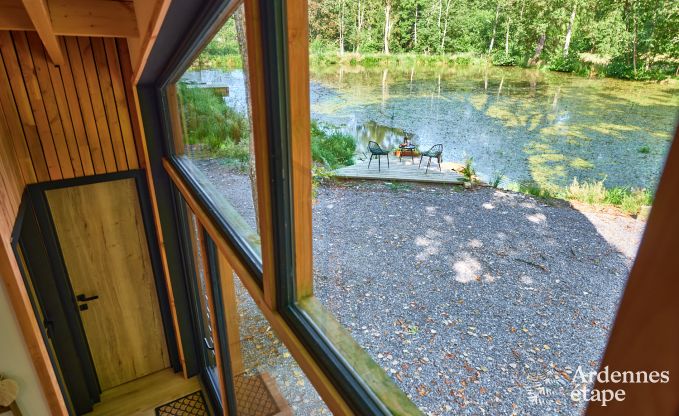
(475, 302)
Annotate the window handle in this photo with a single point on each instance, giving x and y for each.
(208, 345)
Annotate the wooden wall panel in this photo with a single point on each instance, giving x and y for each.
(70, 120)
(14, 174)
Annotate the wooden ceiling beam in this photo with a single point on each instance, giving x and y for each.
(39, 13)
(105, 18)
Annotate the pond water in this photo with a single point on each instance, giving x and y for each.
(525, 124)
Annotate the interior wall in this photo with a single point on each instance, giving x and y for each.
(68, 121)
(15, 362)
(55, 123)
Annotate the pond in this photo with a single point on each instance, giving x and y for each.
(526, 124)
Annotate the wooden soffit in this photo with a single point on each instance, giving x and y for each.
(52, 18)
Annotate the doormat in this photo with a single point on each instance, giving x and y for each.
(190, 405)
(258, 395)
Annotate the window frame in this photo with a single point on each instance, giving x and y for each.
(344, 374)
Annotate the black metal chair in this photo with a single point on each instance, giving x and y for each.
(377, 151)
(435, 151)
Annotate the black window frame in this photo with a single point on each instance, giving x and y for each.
(173, 58)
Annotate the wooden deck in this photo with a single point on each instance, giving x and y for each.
(406, 170)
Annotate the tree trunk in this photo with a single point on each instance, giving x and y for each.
(359, 27)
(634, 52)
(650, 56)
(341, 28)
(387, 25)
(492, 39)
(538, 49)
(509, 21)
(438, 26)
(445, 28)
(239, 16)
(569, 31)
(415, 26)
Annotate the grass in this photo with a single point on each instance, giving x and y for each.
(398, 186)
(218, 129)
(496, 179)
(628, 200)
(370, 60)
(331, 147)
(468, 171)
(645, 150)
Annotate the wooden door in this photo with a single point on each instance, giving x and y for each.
(101, 234)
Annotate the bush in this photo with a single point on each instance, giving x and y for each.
(468, 171)
(499, 58)
(209, 122)
(561, 63)
(628, 200)
(331, 147)
(619, 68)
(587, 192)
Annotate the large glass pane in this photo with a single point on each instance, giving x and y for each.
(204, 299)
(261, 362)
(212, 129)
(481, 274)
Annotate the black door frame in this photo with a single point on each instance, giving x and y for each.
(220, 324)
(35, 203)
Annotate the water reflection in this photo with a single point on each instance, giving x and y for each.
(527, 124)
(387, 137)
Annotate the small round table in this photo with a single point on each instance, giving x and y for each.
(406, 148)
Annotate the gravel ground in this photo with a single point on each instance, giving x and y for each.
(475, 302)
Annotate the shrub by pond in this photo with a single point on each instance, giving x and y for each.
(219, 130)
(331, 147)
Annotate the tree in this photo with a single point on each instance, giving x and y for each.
(239, 17)
(569, 31)
(387, 25)
(492, 38)
(631, 33)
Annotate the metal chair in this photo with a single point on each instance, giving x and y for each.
(377, 151)
(435, 151)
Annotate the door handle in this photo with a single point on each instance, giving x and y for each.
(48, 324)
(82, 298)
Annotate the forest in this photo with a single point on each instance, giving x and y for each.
(635, 39)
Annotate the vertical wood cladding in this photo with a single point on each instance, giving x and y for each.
(67, 121)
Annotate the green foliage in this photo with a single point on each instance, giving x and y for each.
(501, 59)
(496, 179)
(331, 147)
(222, 51)
(561, 63)
(212, 125)
(468, 171)
(645, 150)
(620, 32)
(398, 186)
(628, 200)
(320, 175)
(619, 68)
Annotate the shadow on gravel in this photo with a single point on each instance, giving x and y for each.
(478, 301)
(474, 302)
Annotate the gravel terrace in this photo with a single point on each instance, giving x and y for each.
(475, 302)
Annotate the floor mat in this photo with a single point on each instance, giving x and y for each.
(190, 405)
